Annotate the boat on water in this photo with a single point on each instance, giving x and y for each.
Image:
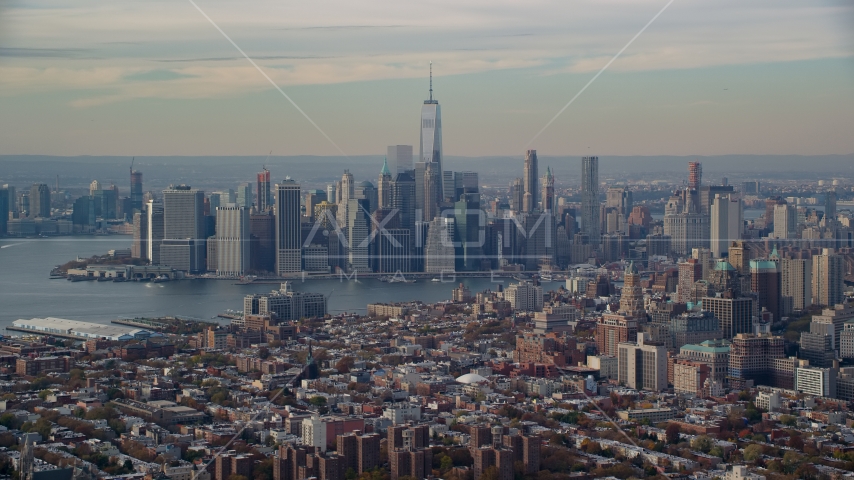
(119, 279)
(436, 280)
(161, 279)
(400, 280)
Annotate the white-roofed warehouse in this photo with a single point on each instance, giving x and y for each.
(83, 330)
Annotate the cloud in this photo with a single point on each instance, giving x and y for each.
(41, 52)
(336, 41)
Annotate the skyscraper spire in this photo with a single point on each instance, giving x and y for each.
(431, 81)
(385, 170)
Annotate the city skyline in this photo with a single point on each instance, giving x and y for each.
(765, 90)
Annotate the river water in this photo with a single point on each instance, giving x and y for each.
(26, 290)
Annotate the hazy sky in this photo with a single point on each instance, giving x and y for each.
(153, 77)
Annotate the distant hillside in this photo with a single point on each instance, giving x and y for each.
(218, 172)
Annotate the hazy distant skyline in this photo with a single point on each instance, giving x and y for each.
(155, 78)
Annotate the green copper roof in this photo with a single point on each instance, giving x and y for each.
(763, 265)
(724, 265)
(385, 170)
(709, 346)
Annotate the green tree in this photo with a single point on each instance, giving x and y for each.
(702, 443)
(752, 452)
(672, 433)
(318, 401)
(446, 464)
(788, 420)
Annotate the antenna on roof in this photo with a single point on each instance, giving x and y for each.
(431, 80)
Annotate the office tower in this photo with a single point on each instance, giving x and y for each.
(706, 196)
(687, 228)
(631, 299)
(466, 182)
(357, 235)
(690, 272)
(735, 314)
(392, 248)
(641, 365)
(183, 245)
(548, 197)
(817, 345)
(384, 186)
(820, 382)
(704, 257)
(139, 248)
(621, 199)
(39, 200)
(750, 188)
(611, 330)
(765, 283)
(418, 174)
(837, 315)
(829, 208)
(4, 211)
(739, 257)
(265, 196)
(432, 191)
(403, 200)
(530, 181)
(796, 283)
(752, 358)
(13, 200)
(439, 252)
(400, 157)
(693, 327)
(714, 353)
(517, 195)
(470, 233)
(695, 175)
(590, 198)
(538, 240)
(828, 271)
(232, 240)
(244, 195)
(724, 278)
(727, 223)
(785, 221)
(135, 190)
(658, 245)
(366, 191)
(449, 186)
(348, 187)
(153, 212)
(418, 244)
(312, 199)
(331, 193)
(431, 130)
(846, 341)
(288, 229)
(24, 204)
